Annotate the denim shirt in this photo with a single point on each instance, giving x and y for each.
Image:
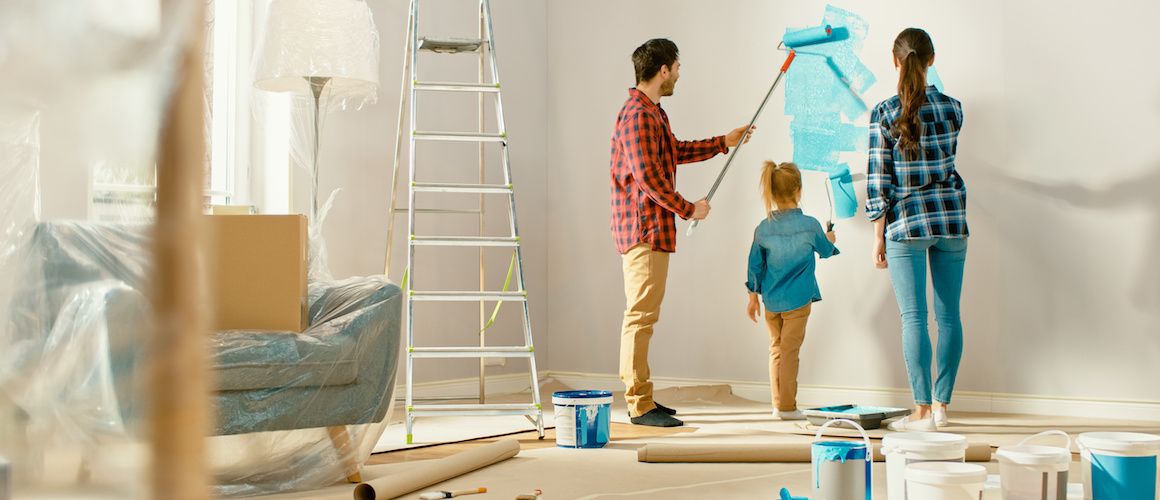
(781, 260)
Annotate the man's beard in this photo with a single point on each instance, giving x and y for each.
(667, 87)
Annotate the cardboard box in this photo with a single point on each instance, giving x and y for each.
(257, 272)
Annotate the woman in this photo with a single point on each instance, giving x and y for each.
(917, 201)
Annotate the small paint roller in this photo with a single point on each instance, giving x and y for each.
(436, 495)
(791, 40)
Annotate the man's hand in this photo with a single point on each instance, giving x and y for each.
(753, 308)
(880, 252)
(830, 235)
(701, 209)
(733, 138)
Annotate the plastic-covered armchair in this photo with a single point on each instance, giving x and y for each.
(81, 316)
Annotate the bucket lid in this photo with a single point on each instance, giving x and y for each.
(946, 473)
(582, 394)
(1035, 455)
(1121, 442)
(924, 441)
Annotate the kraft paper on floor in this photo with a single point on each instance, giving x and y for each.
(436, 471)
(671, 452)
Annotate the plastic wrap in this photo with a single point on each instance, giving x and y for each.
(83, 98)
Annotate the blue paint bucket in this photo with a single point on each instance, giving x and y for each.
(582, 418)
(841, 468)
(1119, 465)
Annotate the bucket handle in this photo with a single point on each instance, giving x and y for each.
(1049, 433)
(865, 436)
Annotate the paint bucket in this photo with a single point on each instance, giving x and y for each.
(841, 468)
(1119, 465)
(582, 418)
(945, 481)
(904, 448)
(1031, 472)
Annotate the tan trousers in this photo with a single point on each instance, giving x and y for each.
(787, 331)
(645, 274)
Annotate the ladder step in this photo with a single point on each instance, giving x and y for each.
(460, 136)
(465, 241)
(468, 296)
(450, 45)
(473, 352)
(438, 187)
(457, 87)
(439, 210)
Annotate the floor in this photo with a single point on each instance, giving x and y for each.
(714, 416)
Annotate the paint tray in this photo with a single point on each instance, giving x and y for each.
(869, 417)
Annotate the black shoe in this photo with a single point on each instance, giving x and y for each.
(666, 409)
(657, 418)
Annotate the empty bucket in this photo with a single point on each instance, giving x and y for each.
(1033, 472)
(582, 418)
(945, 481)
(1119, 465)
(904, 448)
(841, 468)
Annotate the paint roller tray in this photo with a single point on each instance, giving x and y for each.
(869, 417)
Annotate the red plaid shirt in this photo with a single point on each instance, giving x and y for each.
(645, 155)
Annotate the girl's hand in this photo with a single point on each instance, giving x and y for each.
(880, 252)
(753, 308)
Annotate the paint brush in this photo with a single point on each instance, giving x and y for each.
(436, 495)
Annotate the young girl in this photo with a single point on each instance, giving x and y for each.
(781, 271)
(918, 204)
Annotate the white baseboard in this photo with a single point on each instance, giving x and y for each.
(965, 401)
(811, 395)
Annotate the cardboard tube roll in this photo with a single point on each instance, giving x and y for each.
(436, 471)
(759, 453)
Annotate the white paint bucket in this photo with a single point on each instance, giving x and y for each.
(841, 468)
(1032, 472)
(1119, 465)
(904, 448)
(583, 418)
(945, 481)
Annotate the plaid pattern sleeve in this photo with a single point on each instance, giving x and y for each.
(694, 151)
(925, 197)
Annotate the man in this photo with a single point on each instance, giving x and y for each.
(644, 200)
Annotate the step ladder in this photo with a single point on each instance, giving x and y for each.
(484, 47)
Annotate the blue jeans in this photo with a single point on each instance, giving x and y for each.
(907, 263)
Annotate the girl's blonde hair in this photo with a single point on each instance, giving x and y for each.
(780, 183)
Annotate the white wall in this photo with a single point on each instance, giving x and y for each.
(1058, 150)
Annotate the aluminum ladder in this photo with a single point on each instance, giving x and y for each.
(484, 47)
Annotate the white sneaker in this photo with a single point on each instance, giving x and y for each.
(940, 417)
(791, 415)
(906, 424)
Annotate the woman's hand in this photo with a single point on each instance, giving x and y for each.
(753, 308)
(880, 252)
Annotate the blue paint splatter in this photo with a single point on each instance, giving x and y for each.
(823, 94)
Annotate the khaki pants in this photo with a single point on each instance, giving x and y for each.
(645, 273)
(787, 330)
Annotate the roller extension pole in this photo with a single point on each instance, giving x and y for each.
(744, 136)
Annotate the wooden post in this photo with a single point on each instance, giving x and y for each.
(179, 385)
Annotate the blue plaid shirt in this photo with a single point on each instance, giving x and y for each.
(923, 198)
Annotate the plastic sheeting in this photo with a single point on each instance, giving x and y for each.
(83, 95)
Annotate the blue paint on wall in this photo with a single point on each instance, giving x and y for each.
(933, 79)
(823, 94)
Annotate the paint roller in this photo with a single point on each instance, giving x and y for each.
(792, 41)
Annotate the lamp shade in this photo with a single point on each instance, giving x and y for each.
(334, 39)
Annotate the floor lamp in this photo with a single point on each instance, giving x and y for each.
(319, 48)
